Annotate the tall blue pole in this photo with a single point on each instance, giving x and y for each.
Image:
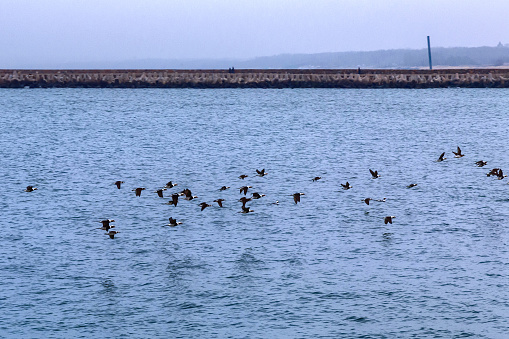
(429, 54)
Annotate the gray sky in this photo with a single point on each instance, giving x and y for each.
(36, 31)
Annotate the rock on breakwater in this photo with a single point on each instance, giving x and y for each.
(256, 78)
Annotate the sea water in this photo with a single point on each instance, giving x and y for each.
(326, 267)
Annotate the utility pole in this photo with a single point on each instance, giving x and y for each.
(429, 54)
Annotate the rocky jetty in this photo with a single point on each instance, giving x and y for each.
(256, 78)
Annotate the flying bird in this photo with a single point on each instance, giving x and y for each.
(30, 189)
(219, 202)
(316, 178)
(188, 194)
(118, 183)
(138, 191)
(441, 157)
(169, 184)
(224, 188)
(244, 189)
(243, 176)
(458, 154)
(175, 198)
(160, 192)
(374, 174)
(388, 219)
(296, 197)
(112, 234)
(481, 163)
(346, 186)
(261, 173)
(173, 222)
(411, 185)
(367, 200)
(257, 195)
(106, 222)
(243, 200)
(204, 205)
(246, 209)
(493, 172)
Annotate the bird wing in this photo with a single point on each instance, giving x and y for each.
(372, 173)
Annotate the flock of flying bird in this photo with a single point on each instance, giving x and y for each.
(187, 194)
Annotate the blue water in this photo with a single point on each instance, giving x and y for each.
(321, 268)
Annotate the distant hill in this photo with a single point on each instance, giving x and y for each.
(396, 58)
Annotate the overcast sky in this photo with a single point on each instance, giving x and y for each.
(83, 30)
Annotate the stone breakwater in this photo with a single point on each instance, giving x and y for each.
(254, 78)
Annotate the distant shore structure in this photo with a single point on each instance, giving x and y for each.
(429, 55)
(257, 78)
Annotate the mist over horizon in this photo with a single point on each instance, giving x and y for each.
(393, 58)
(175, 34)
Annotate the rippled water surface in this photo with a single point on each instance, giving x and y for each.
(326, 267)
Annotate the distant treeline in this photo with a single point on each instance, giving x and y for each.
(397, 58)
(391, 59)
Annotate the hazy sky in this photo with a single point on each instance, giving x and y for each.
(81, 30)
